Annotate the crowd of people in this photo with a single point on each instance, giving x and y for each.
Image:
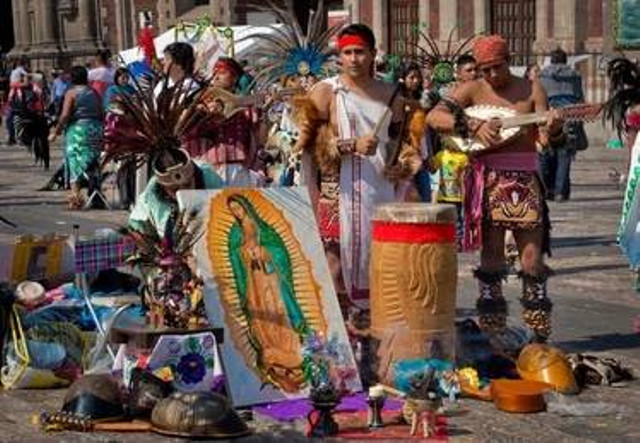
(355, 140)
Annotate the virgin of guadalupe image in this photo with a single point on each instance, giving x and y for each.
(268, 292)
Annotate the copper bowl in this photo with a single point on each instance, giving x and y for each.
(519, 396)
(538, 362)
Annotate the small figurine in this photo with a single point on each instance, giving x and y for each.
(423, 403)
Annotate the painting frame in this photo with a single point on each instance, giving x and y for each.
(266, 239)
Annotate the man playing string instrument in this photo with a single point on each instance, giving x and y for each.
(502, 189)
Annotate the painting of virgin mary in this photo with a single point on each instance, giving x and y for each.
(268, 291)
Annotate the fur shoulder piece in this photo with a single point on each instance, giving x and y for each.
(316, 135)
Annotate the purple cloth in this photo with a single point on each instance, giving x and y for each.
(292, 410)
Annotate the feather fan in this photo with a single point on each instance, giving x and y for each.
(148, 128)
(183, 231)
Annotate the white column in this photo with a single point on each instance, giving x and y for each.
(542, 34)
(481, 10)
(381, 23)
(353, 7)
(448, 21)
(21, 24)
(46, 23)
(423, 16)
(564, 23)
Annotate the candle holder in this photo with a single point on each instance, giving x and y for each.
(324, 400)
(375, 411)
(321, 421)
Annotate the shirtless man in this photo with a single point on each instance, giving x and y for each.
(355, 104)
(507, 186)
(466, 68)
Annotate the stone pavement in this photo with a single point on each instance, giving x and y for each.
(592, 292)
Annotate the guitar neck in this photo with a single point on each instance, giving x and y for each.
(580, 112)
(524, 119)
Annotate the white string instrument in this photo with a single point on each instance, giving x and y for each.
(225, 104)
(511, 123)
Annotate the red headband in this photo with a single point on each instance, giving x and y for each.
(352, 40)
(226, 65)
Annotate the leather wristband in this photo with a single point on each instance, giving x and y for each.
(557, 139)
(347, 146)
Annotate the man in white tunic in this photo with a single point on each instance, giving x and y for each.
(356, 172)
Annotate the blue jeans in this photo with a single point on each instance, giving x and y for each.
(555, 165)
(11, 130)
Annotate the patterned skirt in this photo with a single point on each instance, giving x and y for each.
(82, 146)
(515, 200)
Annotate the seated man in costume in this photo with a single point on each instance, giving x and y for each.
(504, 191)
(158, 202)
(349, 124)
(132, 134)
(230, 145)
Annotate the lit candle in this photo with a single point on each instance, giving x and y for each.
(376, 391)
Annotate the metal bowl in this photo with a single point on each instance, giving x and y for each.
(197, 415)
(96, 397)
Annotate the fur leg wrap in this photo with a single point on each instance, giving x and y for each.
(491, 305)
(536, 306)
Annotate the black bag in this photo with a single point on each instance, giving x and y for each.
(577, 136)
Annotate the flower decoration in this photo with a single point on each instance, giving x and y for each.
(176, 297)
(326, 367)
(192, 368)
(192, 365)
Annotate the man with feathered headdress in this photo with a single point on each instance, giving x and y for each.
(152, 125)
(503, 190)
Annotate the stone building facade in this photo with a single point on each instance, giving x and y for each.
(584, 28)
(59, 32)
(56, 32)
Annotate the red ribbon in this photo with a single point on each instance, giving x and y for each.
(352, 40)
(413, 232)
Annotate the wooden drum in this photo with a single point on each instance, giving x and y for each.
(414, 273)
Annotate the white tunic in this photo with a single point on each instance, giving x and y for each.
(363, 185)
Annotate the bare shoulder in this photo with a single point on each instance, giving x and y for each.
(466, 93)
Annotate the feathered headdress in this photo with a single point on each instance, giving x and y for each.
(152, 129)
(287, 51)
(624, 92)
(442, 63)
